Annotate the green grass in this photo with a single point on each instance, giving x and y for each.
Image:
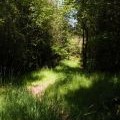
(74, 95)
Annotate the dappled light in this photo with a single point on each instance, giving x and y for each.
(65, 92)
(59, 60)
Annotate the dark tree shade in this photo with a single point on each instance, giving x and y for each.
(28, 36)
(100, 23)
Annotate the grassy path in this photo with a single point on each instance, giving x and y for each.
(47, 77)
(39, 89)
(68, 93)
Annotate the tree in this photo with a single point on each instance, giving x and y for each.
(99, 21)
(33, 34)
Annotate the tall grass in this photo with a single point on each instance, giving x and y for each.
(18, 104)
(74, 95)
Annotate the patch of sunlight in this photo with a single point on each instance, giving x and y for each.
(115, 79)
(76, 83)
(71, 63)
(2, 102)
(43, 75)
(59, 68)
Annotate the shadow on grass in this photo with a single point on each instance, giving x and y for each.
(20, 80)
(84, 96)
(100, 100)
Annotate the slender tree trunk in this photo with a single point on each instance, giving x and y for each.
(83, 50)
(84, 46)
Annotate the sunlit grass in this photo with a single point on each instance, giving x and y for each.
(71, 93)
(41, 76)
(71, 63)
(74, 83)
(19, 104)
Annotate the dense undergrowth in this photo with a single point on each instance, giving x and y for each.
(75, 95)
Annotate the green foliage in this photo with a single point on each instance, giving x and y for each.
(33, 34)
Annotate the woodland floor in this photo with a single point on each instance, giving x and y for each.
(39, 89)
(65, 92)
